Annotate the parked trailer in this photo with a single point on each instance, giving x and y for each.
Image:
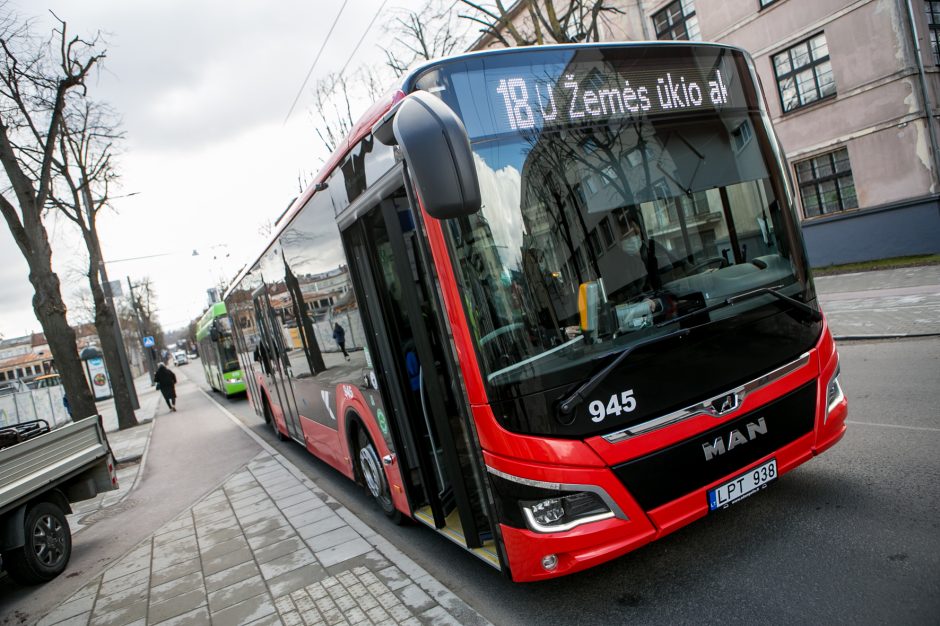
(42, 471)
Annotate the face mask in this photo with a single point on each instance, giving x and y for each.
(631, 244)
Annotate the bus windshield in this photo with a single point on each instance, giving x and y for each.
(228, 355)
(621, 188)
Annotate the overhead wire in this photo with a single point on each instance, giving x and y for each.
(361, 39)
(315, 60)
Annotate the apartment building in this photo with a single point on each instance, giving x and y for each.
(848, 87)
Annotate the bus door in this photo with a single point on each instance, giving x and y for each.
(272, 357)
(388, 263)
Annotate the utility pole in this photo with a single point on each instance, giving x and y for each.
(115, 325)
(140, 329)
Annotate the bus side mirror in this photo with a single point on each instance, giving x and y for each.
(436, 148)
(214, 333)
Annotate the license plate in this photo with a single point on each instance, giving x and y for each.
(742, 486)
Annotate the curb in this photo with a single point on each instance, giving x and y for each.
(884, 336)
(433, 587)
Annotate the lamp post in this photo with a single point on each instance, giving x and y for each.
(116, 329)
(106, 285)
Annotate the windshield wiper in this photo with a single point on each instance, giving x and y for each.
(571, 402)
(747, 295)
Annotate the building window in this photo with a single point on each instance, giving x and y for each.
(766, 3)
(741, 136)
(804, 73)
(933, 23)
(826, 184)
(607, 232)
(677, 21)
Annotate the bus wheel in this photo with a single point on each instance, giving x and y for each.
(269, 418)
(374, 477)
(48, 546)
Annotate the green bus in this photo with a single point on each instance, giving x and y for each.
(217, 351)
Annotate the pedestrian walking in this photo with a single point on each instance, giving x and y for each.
(339, 336)
(166, 383)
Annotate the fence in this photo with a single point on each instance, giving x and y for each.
(25, 406)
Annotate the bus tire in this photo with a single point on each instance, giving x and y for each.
(373, 476)
(269, 418)
(47, 549)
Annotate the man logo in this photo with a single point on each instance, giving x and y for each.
(735, 438)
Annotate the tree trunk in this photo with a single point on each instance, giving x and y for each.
(104, 324)
(50, 311)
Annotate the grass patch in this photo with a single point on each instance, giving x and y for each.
(880, 264)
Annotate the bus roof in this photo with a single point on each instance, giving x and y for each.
(205, 322)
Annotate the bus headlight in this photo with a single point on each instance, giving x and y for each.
(549, 507)
(564, 512)
(834, 394)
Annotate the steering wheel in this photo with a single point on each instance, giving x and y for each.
(719, 261)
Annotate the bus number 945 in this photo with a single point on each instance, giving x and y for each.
(624, 402)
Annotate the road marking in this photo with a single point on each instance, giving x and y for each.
(868, 294)
(926, 428)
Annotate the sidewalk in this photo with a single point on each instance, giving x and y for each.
(267, 547)
(128, 447)
(882, 304)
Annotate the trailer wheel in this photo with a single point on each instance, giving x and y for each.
(47, 549)
(373, 475)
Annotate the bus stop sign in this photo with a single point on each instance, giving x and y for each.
(148, 342)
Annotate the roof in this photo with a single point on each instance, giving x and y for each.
(21, 360)
(204, 324)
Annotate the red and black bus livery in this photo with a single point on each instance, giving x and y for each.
(574, 300)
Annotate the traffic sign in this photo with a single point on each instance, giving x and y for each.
(148, 342)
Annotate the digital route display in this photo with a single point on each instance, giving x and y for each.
(531, 102)
(495, 99)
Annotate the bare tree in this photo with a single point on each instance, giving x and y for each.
(35, 80)
(411, 36)
(333, 97)
(145, 301)
(142, 304)
(537, 22)
(430, 32)
(85, 166)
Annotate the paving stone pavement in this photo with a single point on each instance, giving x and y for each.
(885, 303)
(267, 547)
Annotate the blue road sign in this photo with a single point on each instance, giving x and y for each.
(148, 342)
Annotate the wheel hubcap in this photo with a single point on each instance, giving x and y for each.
(48, 540)
(372, 471)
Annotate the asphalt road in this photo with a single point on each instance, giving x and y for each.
(851, 536)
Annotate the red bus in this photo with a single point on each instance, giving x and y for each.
(552, 302)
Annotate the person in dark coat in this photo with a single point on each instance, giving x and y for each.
(166, 383)
(339, 336)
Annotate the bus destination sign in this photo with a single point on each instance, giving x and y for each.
(577, 97)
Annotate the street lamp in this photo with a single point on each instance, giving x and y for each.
(116, 329)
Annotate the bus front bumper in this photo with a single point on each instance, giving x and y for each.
(639, 520)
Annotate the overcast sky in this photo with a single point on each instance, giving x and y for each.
(203, 87)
